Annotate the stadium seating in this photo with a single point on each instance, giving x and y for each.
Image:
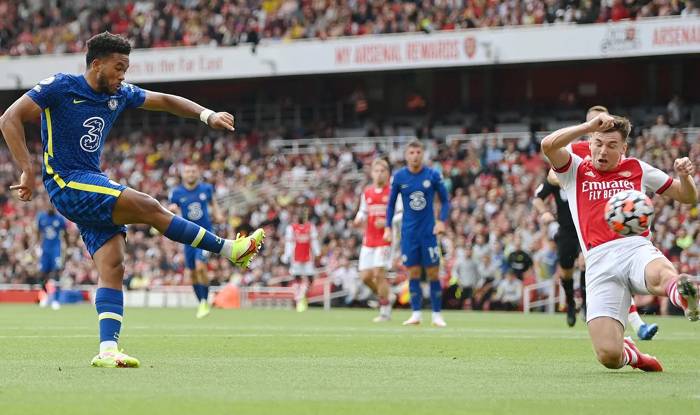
(331, 187)
(33, 27)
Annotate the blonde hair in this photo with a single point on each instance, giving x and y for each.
(380, 161)
(415, 143)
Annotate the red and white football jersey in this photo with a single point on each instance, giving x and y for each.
(580, 148)
(301, 239)
(373, 205)
(588, 190)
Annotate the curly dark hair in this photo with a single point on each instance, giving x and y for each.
(104, 44)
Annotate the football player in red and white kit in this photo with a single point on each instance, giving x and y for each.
(568, 249)
(300, 250)
(375, 254)
(618, 266)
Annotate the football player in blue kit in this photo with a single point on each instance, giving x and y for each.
(77, 113)
(50, 227)
(417, 186)
(193, 198)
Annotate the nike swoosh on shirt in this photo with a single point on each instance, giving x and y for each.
(78, 101)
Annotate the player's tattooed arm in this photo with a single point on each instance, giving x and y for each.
(554, 145)
(183, 107)
(12, 127)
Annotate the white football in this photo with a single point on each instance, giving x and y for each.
(629, 212)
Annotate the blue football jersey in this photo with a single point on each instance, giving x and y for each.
(194, 203)
(50, 228)
(75, 121)
(417, 193)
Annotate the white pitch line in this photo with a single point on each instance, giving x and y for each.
(562, 336)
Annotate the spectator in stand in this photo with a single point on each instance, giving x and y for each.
(509, 293)
(675, 111)
(660, 130)
(255, 184)
(519, 260)
(489, 277)
(29, 27)
(465, 275)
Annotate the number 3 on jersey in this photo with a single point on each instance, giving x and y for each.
(90, 142)
(194, 211)
(417, 200)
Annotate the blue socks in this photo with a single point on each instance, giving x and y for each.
(416, 294)
(110, 311)
(201, 291)
(188, 233)
(436, 296)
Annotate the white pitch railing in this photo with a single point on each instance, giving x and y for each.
(356, 144)
(181, 295)
(387, 143)
(548, 288)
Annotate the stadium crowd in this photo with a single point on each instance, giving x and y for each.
(494, 237)
(32, 27)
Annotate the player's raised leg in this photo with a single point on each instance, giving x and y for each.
(662, 279)
(109, 302)
(136, 207)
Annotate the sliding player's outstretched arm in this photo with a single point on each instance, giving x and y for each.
(12, 127)
(683, 188)
(554, 145)
(183, 107)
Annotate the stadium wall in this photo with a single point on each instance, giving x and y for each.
(475, 47)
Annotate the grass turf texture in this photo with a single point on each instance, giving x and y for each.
(338, 362)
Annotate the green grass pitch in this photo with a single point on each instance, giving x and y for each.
(337, 362)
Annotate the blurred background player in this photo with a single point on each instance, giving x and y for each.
(50, 227)
(619, 266)
(301, 249)
(417, 186)
(375, 254)
(193, 198)
(567, 240)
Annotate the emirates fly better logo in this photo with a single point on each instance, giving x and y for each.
(605, 190)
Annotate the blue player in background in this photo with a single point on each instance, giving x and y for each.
(50, 227)
(417, 186)
(77, 112)
(193, 198)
